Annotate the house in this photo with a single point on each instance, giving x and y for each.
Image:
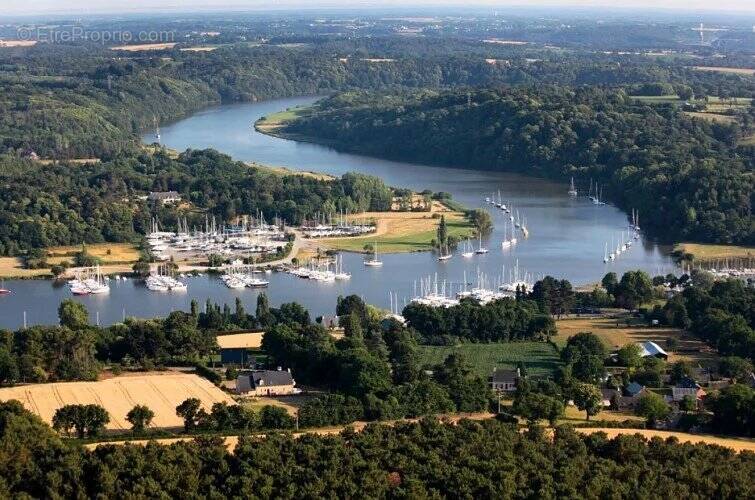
(633, 390)
(649, 348)
(687, 387)
(164, 197)
(236, 348)
(266, 383)
(504, 380)
(609, 397)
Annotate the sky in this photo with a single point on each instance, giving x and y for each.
(84, 7)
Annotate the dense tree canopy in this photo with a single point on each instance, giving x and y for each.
(475, 460)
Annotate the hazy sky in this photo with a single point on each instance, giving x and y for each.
(82, 7)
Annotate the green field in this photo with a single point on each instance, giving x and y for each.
(275, 120)
(657, 99)
(398, 243)
(539, 358)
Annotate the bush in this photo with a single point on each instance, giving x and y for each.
(209, 374)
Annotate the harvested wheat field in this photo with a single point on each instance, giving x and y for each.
(114, 253)
(145, 46)
(161, 392)
(736, 444)
(721, 69)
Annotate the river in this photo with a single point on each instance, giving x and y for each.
(567, 235)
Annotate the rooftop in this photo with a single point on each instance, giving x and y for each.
(650, 348)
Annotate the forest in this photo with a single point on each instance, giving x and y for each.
(688, 178)
(68, 203)
(70, 101)
(411, 460)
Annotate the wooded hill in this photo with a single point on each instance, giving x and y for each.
(688, 178)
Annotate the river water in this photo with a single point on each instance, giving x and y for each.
(567, 235)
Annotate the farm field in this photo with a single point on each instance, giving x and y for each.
(539, 358)
(713, 117)
(108, 253)
(13, 267)
(721, 69)
(161, 392)
(614, 336)
(145, 46)
(736, 444)
(702, 252)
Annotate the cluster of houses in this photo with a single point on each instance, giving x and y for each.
(696, 386)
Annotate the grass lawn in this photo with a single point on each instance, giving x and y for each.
(408, 239)
(539, 358)
(402, 231)
(572, 415)
(276, 120)
(290, 403)
(657, 99)
(702, 252)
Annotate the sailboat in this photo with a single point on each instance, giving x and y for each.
(157, 129)
(511, 241)
(468, 252)
(445, 256)
(572, 189)
(481, 250)
(3, 290)
(340, 273)
(374, 261)
(605, 253)
(612, 255)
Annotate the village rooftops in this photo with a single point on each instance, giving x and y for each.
(687, 383)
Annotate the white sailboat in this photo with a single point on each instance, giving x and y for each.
(340, 274)
(374, 261)
(572, 189)
(445, 256)
(612, 255)
(605, 253)
(511, 240)
(468, 252)
(481, 250)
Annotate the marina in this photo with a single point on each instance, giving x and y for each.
(567, 234)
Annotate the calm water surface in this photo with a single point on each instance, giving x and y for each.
(566, 235)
